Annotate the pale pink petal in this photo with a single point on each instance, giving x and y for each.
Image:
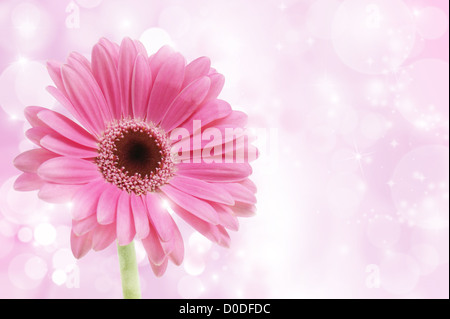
(63, 146)
(29, 161)
(166, 87)
(159, 217)
(57, 193)
(35, 134)
(159, 270)
(61, 98)
(239, 192)
(27, 182)
(176, 254)
(206, 229)
(185, 103)
(249, 185)
(217, 82)
(68, 170)
(104, 68)
(207, 112)
(195, 206)
(54, 70)
(153, 247)
(31, 113)
(201, 189)
(124, 219)
(226, 216)
(107, 205)
(215, 172)
(157, 60)
(83, 226)
(224, 237)
(141, 87)
(244, 209)
(80, 244)
(67, 128)
(140, 214)
(111, 48)
(103, 236)
(196, 69)
(232, 120)
(127, 58)
(85, 200)
(83, 98)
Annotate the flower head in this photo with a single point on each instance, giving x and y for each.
(132, 145)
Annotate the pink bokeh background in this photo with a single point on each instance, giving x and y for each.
(350, 103)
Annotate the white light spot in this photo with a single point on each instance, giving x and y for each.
(44, 234)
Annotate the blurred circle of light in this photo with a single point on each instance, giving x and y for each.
(373, 126)
(383, 232)
(373, 37)
(420, 190)
(63, 258)
(432, 22)
(9, 101)
(31, 83)
(19, 207)
(155, 38)
(25, 234)
(427, 257)
(25, 18)
(199, 244)
(59, 277)
(194, 264)
(175, 20)
(19, 272)
(140, 252)
(319, 16)
(88, 4)
(422, 102)
(190, 287)
(399, 274)
(7, 245)
(36, 268)
(345, 193)
(44, 234)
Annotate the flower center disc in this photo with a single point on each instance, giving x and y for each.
(135, 156)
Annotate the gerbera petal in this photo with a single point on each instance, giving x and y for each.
(217, 82)
(207, 112)
(185, 103)
(176, 254)
(35, 134)
(215, 172)
(104, 68)
(249, 185)
(159, 270)
(80, 244)
(244, 209)
(166, 87)
(63, 146)
(195, 206)
(224, 237)
(153, 247)
(141, 86)
(107, 205)
(83, 226)
(85, 200)
(206, 229)
(196, 69)
(31, 113)
(141, 221)
(124, 219)
(67, 128)
(28, 182)
(201, 189)
(57, 193)
(103, 236)
(239, 192)
(159, 217)
(83, 98)
(157, 60)
(29, 161)
(68, 170)
(54, 70)
(127, 58)
(226, 216)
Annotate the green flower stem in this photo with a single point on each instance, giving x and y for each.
(129, 271)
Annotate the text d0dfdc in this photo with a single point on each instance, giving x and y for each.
(246, 308)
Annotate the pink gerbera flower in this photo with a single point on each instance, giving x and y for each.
(117, 162)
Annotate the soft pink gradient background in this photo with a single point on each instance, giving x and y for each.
(350, 102)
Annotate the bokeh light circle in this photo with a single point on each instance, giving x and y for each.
(420, 187)
(154, 38)
(21, 272)
(427, 257)
(431, 22)
(423, 98)
(373, 37)
(399, 273)
(319, 17)
(383, 232)
(190, 287)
